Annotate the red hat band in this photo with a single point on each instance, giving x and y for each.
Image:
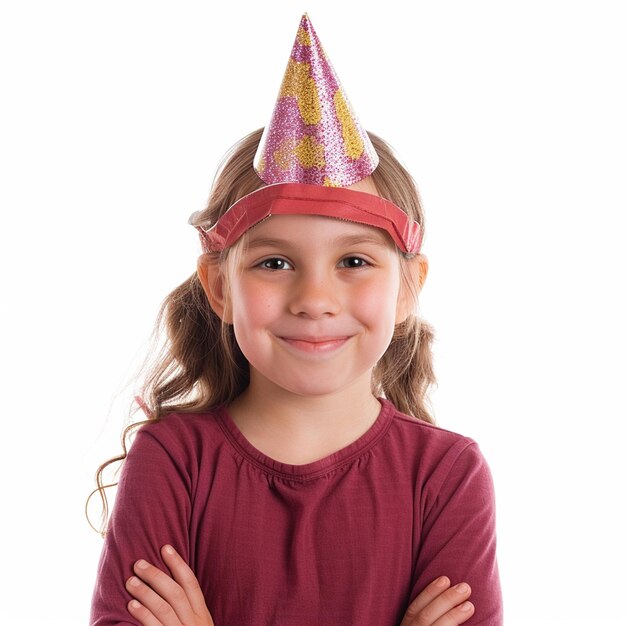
(304, 199)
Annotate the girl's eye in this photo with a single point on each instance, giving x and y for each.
(354, 262)
(275, 264)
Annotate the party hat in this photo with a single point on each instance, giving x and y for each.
(314, 136)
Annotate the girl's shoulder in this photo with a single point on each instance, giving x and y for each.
(184, 421)
(419, 430)
(442, 462)
(182, 431)
(432, 445)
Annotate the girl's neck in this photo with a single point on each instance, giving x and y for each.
(297, 429)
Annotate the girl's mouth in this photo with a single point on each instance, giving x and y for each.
(321, 345)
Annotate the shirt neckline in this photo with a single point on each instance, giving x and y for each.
(315, 469)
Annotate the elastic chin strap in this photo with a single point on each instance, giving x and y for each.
(305, 199)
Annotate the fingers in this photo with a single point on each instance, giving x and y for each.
(167, 600)
(162, 596)
(440, 605)
(457, 615)
(185, 577)
(436, 588)
(142, 614)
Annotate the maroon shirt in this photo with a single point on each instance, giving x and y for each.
(349, 539)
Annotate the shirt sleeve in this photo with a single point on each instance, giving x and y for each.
(458, 533)
(152, 507)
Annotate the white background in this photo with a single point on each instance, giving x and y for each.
(510, 115)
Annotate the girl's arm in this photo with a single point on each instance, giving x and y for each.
(177, 600)
(152, 507)
(458, 534)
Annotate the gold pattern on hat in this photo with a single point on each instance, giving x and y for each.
(310, 153)
(298, 84)
(353, 143)
(303, 38)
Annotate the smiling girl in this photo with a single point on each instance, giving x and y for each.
(289, 472)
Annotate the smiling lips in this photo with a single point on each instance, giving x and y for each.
(315, 344)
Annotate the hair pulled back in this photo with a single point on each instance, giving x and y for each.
(199, 364)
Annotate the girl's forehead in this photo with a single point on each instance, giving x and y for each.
(307, 232)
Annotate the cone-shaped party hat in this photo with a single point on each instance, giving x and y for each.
(314, 136)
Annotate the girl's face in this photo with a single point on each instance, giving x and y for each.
(313, 302)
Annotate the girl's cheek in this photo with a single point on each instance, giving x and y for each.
(379, 299)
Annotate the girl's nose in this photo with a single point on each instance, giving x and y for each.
(314, 297)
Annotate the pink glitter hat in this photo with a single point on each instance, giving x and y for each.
(314, 136)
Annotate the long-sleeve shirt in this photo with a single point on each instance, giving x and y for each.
(348, 539)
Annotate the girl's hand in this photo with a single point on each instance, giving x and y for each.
(165, 601)
(162, 600)
(438, 605)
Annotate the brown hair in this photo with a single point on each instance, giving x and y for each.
(200, 365)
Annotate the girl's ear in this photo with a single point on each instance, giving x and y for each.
(213, 282)
(417, 270)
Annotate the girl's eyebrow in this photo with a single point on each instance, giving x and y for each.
(355, 240)
(266, 242)
(343, 240)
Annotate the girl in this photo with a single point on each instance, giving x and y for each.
(289, 471)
